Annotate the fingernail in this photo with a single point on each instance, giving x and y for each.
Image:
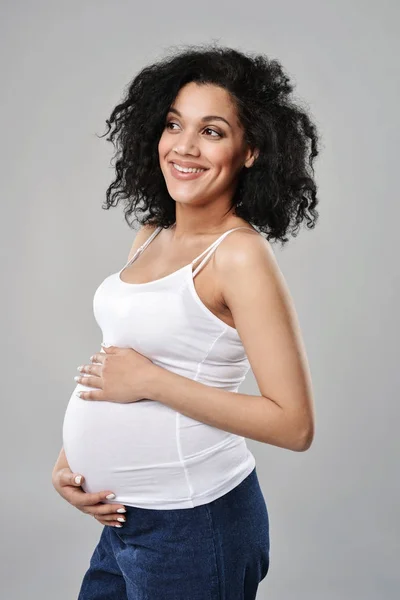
(118, 525)
(110, 496)
(121, 519)
(121, 510)
(78, 479)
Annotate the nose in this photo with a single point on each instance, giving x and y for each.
(185, 143)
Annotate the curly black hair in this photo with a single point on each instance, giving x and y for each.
(275, 195)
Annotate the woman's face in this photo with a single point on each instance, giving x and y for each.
(202, 131)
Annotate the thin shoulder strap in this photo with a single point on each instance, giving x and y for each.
(143, 247)
(211, 249)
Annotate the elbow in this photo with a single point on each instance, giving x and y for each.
(304, 441)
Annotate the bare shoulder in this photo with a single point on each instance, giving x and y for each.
(144, 232)
(249, 276)
(245, 250)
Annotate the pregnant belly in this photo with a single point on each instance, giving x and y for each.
(137, 450)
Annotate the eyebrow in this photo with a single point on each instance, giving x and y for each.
(204, 119)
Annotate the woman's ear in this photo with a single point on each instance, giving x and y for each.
(252, 157)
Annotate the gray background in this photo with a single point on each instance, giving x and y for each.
(334, 509)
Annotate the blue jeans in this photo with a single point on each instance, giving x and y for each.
(215, 551)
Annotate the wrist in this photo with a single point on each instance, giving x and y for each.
(56, 474)
(155, 378)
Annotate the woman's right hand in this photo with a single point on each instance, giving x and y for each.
(69, 488)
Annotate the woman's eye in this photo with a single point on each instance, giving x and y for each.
(216, 132)
(167, 125)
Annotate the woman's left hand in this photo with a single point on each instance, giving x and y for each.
(122, 375)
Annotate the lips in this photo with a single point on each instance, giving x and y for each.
(188, 165)
(185, 176)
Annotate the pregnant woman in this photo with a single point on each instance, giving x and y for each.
(213, 149)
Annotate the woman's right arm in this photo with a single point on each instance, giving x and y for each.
(69, 488)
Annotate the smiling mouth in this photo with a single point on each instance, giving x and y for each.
(187, 170)
(185, 175)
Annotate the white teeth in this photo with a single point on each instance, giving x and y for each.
(183, 170)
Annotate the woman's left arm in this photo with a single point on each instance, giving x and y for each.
(264, 315)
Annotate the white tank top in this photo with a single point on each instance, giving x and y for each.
(148, 454)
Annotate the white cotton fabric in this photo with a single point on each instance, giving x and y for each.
(148, 454)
